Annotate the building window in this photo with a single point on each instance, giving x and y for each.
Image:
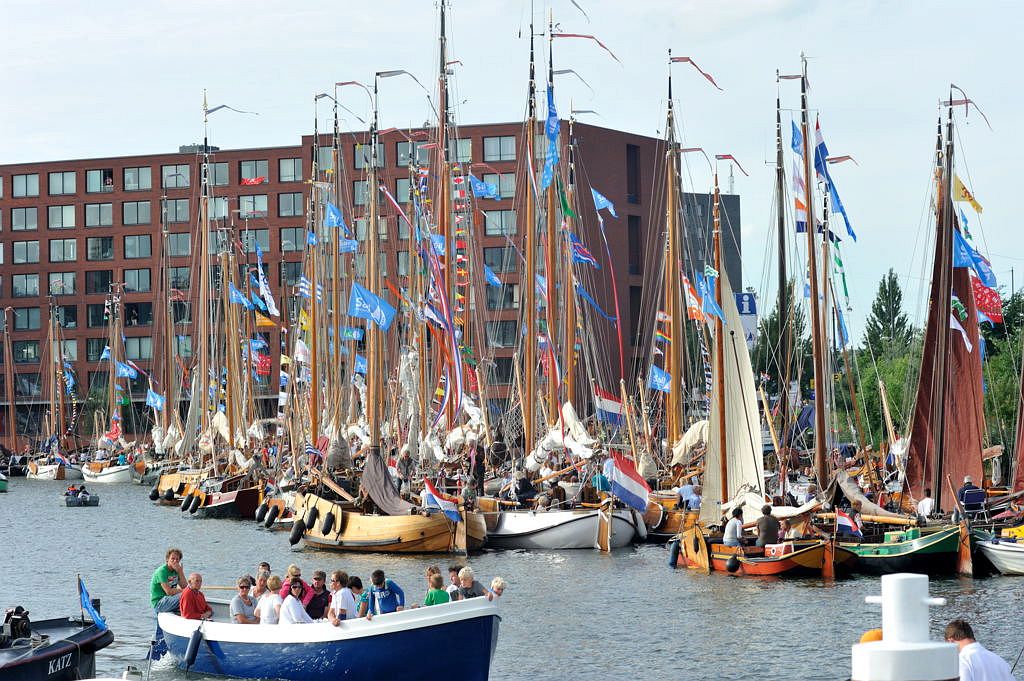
(99, 181)
(61, 283)
(24, 285)
(500, 148)
(175, 176)
(251, 237)
(179, 245)
(94, 349)
(501, 258)
(362, 153)
(183, 345)
(324, 158)
(635, 262)
(28, 385)
(359, 264)
(24, 252)
(181, 312)
(217, 174)
(138, 348)
(135, 213)
(98, 281)
(499, 222)
(68, 349)
(176, 210)
(289, 170)
(293, 239)
(96, 315)
(505, 182)
(291, 272)
(99, 248)
(403, 229)
(405, 151)
(402, 268)
(289, 205)
(501, 371)
(137, 281)
(360, 194)
(138, 179)
(403, 190)
(99, 214)
(256, 172)
(24, 219)
(62, 182)
(24, 185)
(502, 333)
(252, 206)
(218, 208)
(632, 173)
(179, 277)
(138, 314)
(26, 318)
(61, 217)
(219, 242)
(635, 300)
(461, 151)
(63, 250)
(67, 316)
(138, 246)
(503, 298)
(26, 352)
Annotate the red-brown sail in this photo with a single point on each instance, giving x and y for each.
(1018, 444)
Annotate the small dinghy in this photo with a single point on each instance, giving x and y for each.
(82, 500)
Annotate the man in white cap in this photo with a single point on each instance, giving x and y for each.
(968, 485)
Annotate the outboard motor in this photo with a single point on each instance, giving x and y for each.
(16, 625)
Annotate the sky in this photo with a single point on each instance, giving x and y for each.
(87, 80)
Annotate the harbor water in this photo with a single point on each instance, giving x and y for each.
(565, 615)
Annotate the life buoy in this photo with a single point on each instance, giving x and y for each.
(261, 512)
(328, 524)
(272, 516)
(197, 501)
(186, 502)
(298, 529)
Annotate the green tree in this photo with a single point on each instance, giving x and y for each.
(769, 355)
(887, 329)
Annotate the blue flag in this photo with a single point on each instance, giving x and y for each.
(582, 293)
(311, 238)
(87, 606)
(964, 255)
(491, 277)
(236, 296)
(360, 367)
(437, 243)
(332, 218)
(484, 190)
(364, 304)
(351, 333)
(106, 352)
(551, 131)
(125, 371)
(155, 400)
(258, 302)
(706, 288)
(798, 140)
(659, 379)
(348, 246)
(601, 202)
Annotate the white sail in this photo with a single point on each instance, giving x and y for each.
(743, 456)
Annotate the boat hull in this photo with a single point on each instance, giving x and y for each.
(71, 655)
(239, 503)
(931, 554)
(557, 530)
(665, 519)
(76, 500)
(401, 645)
(53, 471)
(804, 561)
(107, 474)
(3, 484)
(1006, 557)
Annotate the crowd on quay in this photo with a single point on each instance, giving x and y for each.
(269, 598)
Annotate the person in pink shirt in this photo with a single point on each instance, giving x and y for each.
(292, 574)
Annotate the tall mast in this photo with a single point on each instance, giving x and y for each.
(374, 360)
(820, 466)
(550, 256)
(444, 184)
(12, 417)
(530, 287)
(723, 458)
(314, 283)
(784, 358)
(569, 284)
(673, 350)
(204, 279)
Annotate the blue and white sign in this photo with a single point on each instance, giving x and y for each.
(746, 305)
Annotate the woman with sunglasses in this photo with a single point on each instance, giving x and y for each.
(243, 606)
(292, 610)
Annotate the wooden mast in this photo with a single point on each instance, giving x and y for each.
(530, 286)
(569, 285)
(551, 257)
(445, 194)
(204, 282)
(12, 416)
(374, 360)
(723, 457)
(784, 360)
(820, 464)
(673, 350)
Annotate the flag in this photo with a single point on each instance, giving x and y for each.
(962, 193)
(964, 255)
(707, 294)
(582, 293)
(351, 333)
(988, 300)
(580, 252)
(627, 484)
(263, 364)
(608, 407)
(551, 131)
(663, 316)
(601, 202)
(821, 168)
(106, 352)
(252, 181)
(567, 210)
(311, 238)
(491, 277)
(954, 323)
(333, 218)
(268, 296)
(694, 306)
(484, 190)
(847, 524)
(155, 400)
(87, 606)
(433, 499)
(360, 367)
(659, 379)
(236, 296)
(437, 243)
(348, 246)
(125, 371)
(301, 353)
(264, 321)
(797, 140)
(663, 336)
(364, 304)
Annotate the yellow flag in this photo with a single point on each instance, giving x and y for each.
(962, 193)
(303, 320)
(261, 320)
(285, 359)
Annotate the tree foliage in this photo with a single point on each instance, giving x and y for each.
(887, 329)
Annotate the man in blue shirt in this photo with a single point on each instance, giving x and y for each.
(385, 595)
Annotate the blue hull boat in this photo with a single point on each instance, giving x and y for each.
(406, 645)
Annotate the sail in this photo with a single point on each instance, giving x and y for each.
(964, 407)
(744, 460)
(379, 485)
(1018, 445)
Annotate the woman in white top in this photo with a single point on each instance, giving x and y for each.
(734, 529)
(269, 606)
(292, 610)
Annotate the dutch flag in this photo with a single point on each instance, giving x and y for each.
(846, 523)
(608, 406)
(627, 484)
(434, 499)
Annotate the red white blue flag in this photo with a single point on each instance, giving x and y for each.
(608, 406)
(434, 499)
(627, 484)
(846, 523)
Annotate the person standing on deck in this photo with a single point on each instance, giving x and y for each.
(767, 527)
(977, 663)
(733, 535)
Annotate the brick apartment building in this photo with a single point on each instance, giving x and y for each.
(71, 228)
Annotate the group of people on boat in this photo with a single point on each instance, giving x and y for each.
(79, 491)
(269, 598)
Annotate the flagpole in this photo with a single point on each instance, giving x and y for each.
(81, 605)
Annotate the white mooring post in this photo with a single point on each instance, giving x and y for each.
(905, 653)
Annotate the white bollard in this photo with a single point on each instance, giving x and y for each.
(905, 653)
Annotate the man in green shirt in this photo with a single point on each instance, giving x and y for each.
(168, 581)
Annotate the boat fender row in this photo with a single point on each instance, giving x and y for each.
(197, 501)
(192, 651)
(272, 516)
(186, 501)
(261, 512)
(328, 525)
(154, 494)
(298, 529)
(311, 516)
(673, 553)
